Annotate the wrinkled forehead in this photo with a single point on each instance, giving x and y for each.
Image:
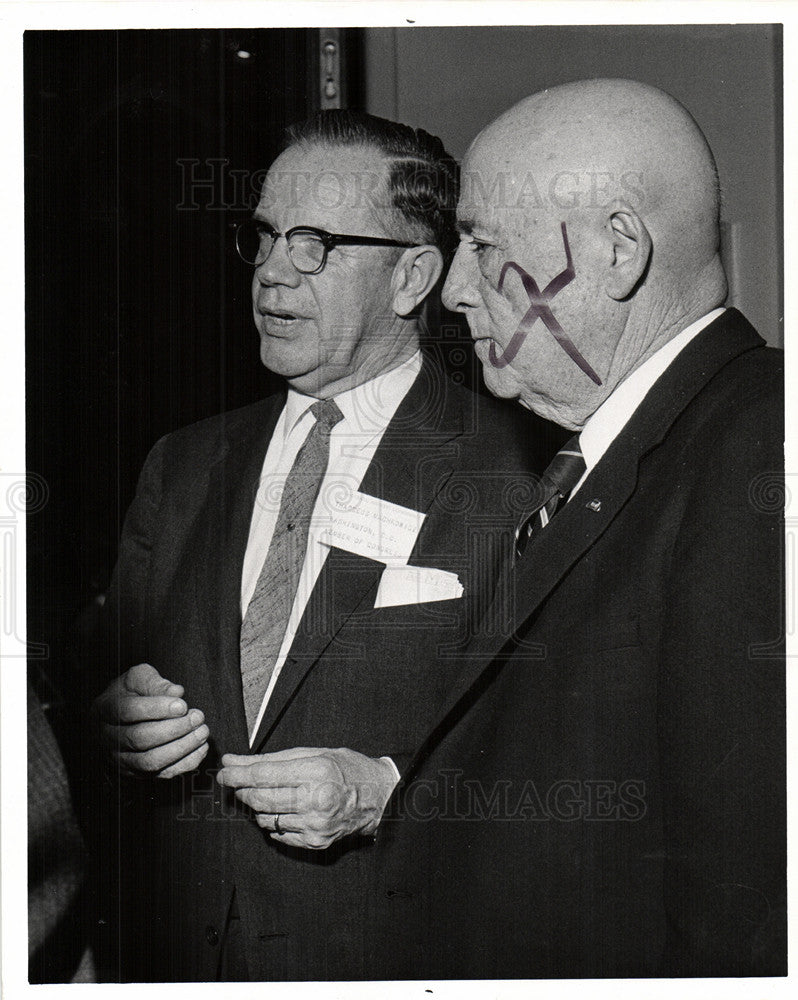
(497, 187)
(325, 186)
(508, 177)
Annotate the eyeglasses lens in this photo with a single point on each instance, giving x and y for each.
(307, 252)
(254, 243)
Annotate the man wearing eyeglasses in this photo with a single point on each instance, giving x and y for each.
(296, 577)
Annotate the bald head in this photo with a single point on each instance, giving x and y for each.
(607, 191)
(593, 141)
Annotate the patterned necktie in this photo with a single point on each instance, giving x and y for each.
(561, 475)
(266, 618)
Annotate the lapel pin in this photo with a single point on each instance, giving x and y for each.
(593, 505)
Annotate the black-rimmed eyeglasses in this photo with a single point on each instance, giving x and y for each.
(307, 247)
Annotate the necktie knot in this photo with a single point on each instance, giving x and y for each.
(567, 467)
(327, 414)
(561, 476)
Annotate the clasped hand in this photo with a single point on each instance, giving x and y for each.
(311, 796)
(147, 726)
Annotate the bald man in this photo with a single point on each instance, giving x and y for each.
(603, 792)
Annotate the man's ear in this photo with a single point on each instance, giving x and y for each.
(414, 277)
(630, 251)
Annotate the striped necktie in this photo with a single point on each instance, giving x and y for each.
(561, 475)
(269, 610)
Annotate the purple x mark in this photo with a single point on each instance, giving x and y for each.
(539, 309)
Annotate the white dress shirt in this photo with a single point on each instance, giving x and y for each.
(367, 410)
(602, 427)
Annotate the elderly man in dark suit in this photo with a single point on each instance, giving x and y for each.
(295, 577)
(602, 793)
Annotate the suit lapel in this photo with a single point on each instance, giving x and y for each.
(552, 552)
(232, 486)
(413, 462)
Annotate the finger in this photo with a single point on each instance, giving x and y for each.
(145, 679)
(288, 825)
(187, 763)
(254, 776)
(140, 708)
(278, 755)
(146, 735)
(281, 774)
(271, 800)
(310, 843)
(116, 707)
(152, 761)
(242, 775)
(295, 753)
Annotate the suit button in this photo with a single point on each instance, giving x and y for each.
(211, 936)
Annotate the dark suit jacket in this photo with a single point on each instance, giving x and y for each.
(603, 794)
(57, 923)
(356, 677)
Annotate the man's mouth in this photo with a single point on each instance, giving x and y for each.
(476, 330)
(279, 317)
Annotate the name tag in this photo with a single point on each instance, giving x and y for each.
(371, 527)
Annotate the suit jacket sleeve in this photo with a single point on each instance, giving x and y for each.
(721, 688)
(125, 633)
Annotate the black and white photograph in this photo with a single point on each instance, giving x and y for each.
(398, 560)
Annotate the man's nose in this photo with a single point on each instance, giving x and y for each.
(458, 290)
(276, 268)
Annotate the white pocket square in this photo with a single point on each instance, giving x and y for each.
(416, 585)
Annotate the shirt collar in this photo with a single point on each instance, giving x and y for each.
(367, 409)
(602, 427)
